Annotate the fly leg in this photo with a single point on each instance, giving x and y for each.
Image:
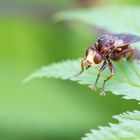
(129, 52)
(82, 67)
(112, 70)
(99, 73)
(131, 55)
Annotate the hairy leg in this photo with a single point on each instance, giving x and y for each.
(112, 70)
(99, 73)
(129, 53)
(82, 67)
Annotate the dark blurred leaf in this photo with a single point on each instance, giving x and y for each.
(115, 19)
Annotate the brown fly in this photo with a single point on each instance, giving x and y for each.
(108, 47)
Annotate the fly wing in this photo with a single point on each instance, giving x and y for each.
(127, 38)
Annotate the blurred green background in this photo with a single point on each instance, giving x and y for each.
(48, 109)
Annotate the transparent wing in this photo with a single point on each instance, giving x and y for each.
(127, 38)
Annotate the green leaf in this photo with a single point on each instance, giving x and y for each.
(114, 19)
(127, 129)
(126, 80)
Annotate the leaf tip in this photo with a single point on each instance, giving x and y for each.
(26, 80)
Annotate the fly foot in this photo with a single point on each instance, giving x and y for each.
(94, 87)
(102, 93)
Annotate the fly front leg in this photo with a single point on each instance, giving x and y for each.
(82, 67)
(99, 73)
(131, 54)
(112, 70)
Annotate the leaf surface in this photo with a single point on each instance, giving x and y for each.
(128, 128)
(126, 80)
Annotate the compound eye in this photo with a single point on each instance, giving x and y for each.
(98, 58)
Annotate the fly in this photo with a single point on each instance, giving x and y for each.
(108, 47)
